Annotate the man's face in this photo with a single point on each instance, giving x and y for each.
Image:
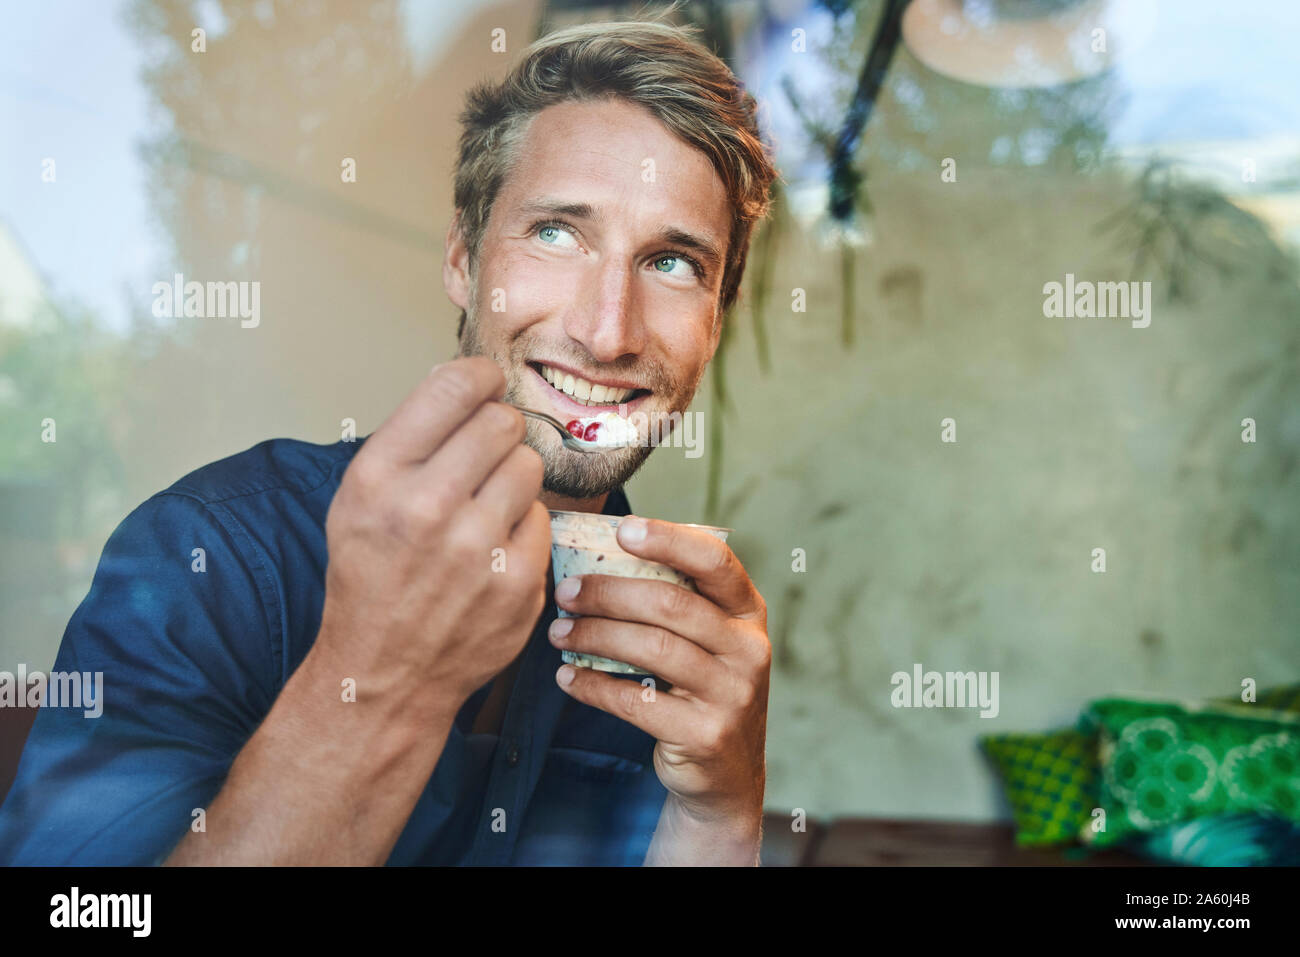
(588, 279)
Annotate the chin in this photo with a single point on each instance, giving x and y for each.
(583, 475)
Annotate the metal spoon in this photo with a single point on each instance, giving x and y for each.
(570, 440)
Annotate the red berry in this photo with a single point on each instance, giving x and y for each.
(575, 428)
(590, 434)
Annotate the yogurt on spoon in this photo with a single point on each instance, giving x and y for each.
(605, 431)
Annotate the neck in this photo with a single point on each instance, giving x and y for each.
(563, 502)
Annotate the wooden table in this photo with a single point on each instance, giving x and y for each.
(880, 842)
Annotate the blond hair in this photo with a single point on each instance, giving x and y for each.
(657, 65)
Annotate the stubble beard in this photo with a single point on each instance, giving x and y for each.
(576, 475)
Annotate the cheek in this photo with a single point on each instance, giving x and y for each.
(519, 290)
(685, 348)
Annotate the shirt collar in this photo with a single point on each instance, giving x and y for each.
(616, 504)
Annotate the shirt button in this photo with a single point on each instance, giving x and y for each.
(512, 755)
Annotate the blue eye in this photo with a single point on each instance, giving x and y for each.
(553, 234)
(675, 260)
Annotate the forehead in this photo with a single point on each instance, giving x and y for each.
(603, 152)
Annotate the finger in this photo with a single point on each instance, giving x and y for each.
(506, 494)
(665, 717)
(527, 555)
(532, 536)
(658, 603)
(434, 409)
(474, 451)
(696, 552)
(657, 651)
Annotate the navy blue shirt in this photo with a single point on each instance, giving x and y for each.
(193, 660)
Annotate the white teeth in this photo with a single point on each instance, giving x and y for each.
(583, 391)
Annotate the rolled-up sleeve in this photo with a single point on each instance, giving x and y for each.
(182, 629)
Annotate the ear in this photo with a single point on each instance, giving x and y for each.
(719, 317)
(455, 265)
(716, 337)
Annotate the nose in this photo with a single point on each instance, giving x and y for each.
(606, 315)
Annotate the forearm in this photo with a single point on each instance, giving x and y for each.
(686, 838)
(323, 780)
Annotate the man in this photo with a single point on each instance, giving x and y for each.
(363, 664)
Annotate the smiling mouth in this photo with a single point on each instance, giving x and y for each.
(584, 391)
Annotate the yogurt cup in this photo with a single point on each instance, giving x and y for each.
(585, 543)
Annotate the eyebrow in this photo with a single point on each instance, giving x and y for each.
(707, 250)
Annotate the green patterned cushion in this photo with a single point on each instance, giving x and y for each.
(1055, 808)
(1163, 762)
(1050, 781)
